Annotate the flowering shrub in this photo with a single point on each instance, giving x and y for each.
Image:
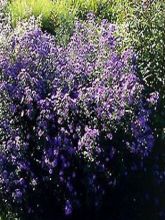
(66, 115)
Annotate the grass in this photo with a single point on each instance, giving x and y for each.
(56, 10)
(21, 9)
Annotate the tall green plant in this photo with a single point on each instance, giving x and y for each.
(142, 25)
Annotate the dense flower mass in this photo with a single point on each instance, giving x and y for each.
(67, 114)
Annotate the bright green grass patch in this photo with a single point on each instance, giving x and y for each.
(57, 10)
(21, 9)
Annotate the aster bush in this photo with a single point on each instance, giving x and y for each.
(67, 115)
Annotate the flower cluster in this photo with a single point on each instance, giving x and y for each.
(67, 113)
(153, 99)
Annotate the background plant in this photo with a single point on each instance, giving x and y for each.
(58, 16)
(21, 9)
(145, 24)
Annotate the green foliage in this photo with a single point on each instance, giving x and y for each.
(145, 24)
(21, 9)
(145, 32)
(64, 17)
(58, 16)
(95, 6)
(67, 11)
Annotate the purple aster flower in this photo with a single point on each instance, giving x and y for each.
(153, 99)
(68, 208)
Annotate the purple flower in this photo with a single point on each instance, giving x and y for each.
(17, 196)
(68, 208)
(153, 99)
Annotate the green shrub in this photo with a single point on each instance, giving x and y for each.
(64, 17)
(95, 6)
(145, 32)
